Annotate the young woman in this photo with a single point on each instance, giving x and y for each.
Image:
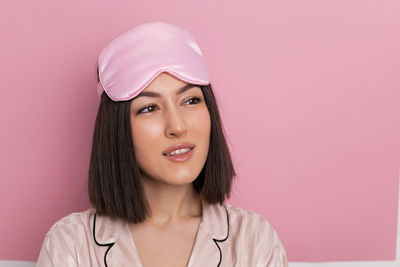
(160, 168)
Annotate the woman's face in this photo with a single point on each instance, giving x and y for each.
(167, 118)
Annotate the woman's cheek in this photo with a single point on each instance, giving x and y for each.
(201, 122)
(145, 137)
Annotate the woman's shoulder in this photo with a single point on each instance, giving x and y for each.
(70, 229)
(253, 231)
(72, 222)
(64, 238)
(76, 217)
(248, 216)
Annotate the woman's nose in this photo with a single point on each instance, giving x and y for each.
(175, 124)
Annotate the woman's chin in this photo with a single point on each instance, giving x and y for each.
(179, 180)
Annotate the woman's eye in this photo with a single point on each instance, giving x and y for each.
(151, 107)
(196, 100)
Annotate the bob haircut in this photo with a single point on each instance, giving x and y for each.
(114, 183)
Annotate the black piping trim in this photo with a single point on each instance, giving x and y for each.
(222, 240)
(97, 243)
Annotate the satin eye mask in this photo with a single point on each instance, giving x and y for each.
(132, 60)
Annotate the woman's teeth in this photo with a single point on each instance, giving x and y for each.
(178, 151)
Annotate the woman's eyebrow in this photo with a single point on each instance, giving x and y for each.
(154, 94)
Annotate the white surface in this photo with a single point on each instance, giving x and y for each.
(16, 264)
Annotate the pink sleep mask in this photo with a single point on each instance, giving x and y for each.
(132, 60)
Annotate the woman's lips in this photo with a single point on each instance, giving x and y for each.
(181, 157)
(178, 146)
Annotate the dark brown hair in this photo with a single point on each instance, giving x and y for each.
(114, 183)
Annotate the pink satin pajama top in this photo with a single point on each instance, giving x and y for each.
(227, 236)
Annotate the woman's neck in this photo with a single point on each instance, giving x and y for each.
(171, 203)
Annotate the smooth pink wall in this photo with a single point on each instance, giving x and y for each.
(309, 93)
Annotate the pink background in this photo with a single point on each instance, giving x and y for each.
(309, 93)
